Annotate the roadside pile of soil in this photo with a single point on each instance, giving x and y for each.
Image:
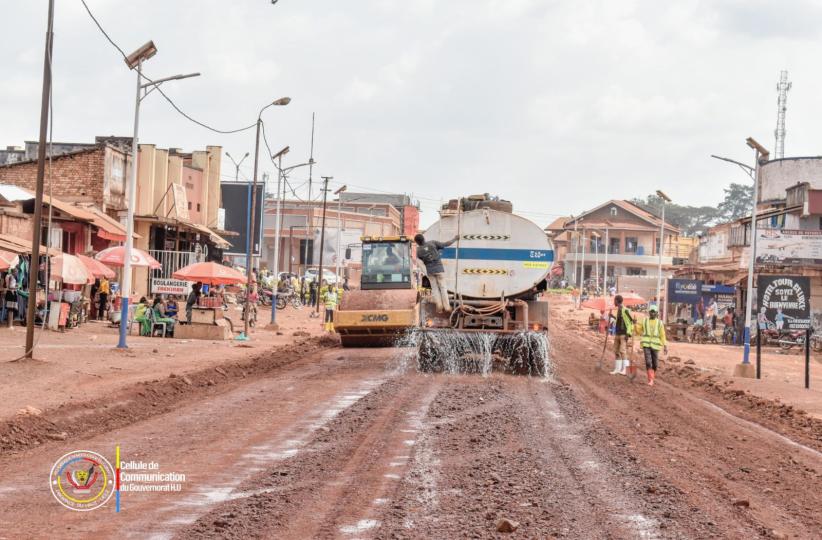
(74, 420)
(773, 414)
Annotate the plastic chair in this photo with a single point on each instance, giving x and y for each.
(155, 322)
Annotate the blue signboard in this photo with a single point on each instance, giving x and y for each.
(686, 291)
(497, 254)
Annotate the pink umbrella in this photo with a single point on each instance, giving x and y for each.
(7, 259)
(96, 268)
(115, 256)
(69, 269)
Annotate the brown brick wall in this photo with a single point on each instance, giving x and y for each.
(77, 177)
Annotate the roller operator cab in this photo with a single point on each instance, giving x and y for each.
(385, 305)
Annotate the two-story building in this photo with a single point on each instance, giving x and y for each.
(627, 233)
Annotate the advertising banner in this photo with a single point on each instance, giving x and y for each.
(170, 287)
(784, 302)
(687, 291)
(724, 295)
(788, 247)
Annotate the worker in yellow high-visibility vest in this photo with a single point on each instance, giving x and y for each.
(652, 341)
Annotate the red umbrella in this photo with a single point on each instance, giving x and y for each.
(69, 269)
(209, 273)
(115, 256)
(604, 303)
(96, 268)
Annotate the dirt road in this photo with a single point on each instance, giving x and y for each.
(357, 444)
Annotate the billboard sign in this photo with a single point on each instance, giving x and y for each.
(788, 247)
(235, 196)
(686, 291)
(724, 295)
(784, 302)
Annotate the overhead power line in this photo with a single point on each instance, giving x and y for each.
(157, 87)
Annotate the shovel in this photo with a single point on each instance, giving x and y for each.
(602, 356)
(632, 368)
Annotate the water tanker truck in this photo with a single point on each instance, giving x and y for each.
(495, 272)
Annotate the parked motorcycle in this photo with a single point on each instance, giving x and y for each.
(791, 339)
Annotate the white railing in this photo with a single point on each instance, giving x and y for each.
(172, 261)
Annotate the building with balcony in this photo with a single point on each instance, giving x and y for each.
(628, 234)
(345, 223)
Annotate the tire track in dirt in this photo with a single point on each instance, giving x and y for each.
(337, 486)
(744, 480)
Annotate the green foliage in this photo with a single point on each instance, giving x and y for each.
(693, 220)
(737, 202)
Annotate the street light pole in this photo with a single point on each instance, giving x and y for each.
(322, 238)
(664, 198)
(34, 267)
(280, 102)
(759, 150)
(339, 226)
(135, 61)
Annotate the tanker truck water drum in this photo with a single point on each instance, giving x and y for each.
(500, 254)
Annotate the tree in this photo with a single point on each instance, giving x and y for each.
(692, 220)
(737, 201)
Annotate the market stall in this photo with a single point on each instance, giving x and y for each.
(206, 319)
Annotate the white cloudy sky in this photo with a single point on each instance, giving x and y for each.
(554, 104)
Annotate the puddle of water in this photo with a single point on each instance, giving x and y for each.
(361, 525)
(392, 476)
(409, 442)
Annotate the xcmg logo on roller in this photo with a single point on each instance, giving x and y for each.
(375, 317)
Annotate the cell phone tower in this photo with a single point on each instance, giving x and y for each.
(782, 106)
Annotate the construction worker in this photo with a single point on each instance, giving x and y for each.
(624, 324)
(329, 299)
(653, 339)
(429, 254)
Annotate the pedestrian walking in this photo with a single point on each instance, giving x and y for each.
(312, 293)
(430, 254)
(11, 295)
(103, 291)
(193, 298)
(653, 340)
(624, 330)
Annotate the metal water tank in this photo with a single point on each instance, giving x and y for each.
(500, 254)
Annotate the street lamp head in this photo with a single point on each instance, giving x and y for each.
(282, 101)
(140, 55)
(751, 142)
(247, 154)
(281, 153)
(662, 196)
(343, 188)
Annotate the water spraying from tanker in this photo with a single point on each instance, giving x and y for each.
(449, 351)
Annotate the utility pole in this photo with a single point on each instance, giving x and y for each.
(281, 103)
(322, 237)
(339, 227)
(310, 207)
(280, 179)
(662, 307)
(34, 267)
